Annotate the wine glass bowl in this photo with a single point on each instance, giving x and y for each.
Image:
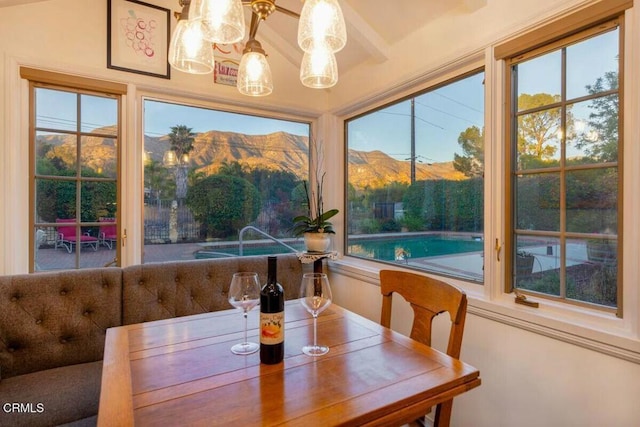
(244, 294)
(315, 297)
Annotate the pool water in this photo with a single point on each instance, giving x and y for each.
(387, 249)
(383, 248)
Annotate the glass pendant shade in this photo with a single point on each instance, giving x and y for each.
(222, 20)
(321, 24)
(319, 69)
(188, 51)
(254, 75)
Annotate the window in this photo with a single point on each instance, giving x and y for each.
(75, 146)
(565, 152)
(209, 174)
(415, 181)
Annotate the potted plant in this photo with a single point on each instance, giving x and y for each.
(524, 263)
(602, 251)
(315, 225)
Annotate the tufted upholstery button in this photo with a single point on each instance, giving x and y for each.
(86, 313)
(160, 300)
(63, 292)
(11, 349)
(141, 282)
(63, 340)
(177, 279)
(14, 299)
(209, 276)
(38, 321)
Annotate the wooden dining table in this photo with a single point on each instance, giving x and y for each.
(181, 371)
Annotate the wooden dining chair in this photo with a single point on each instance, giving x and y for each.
(428, 298)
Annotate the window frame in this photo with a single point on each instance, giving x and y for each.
(135, 192)
(456, 74)
(511, 115)
(78, 86)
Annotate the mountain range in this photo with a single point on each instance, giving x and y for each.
(280, 151)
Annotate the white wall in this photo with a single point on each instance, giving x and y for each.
(527, 379)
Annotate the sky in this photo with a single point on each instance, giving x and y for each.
(440, 116)
(159, 117)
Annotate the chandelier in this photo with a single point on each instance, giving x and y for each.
(321, 33)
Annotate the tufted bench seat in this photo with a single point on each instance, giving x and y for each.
(53, 326)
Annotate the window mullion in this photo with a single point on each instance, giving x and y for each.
(563, 175)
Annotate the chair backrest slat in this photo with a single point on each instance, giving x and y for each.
(428, 297)
(69, 231)
(109, 230)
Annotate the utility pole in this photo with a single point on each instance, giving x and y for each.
(413, 140)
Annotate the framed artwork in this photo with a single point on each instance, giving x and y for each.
(138, 37)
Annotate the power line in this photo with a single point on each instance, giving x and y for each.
(446, 112)
(417, 117)
(457, 102)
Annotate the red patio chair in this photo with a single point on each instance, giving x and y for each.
(67, 236)
(108, 233)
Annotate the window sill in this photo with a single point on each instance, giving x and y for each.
(591, 329)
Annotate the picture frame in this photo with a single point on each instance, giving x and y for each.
(138, 38)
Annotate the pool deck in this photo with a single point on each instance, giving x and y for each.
(467, 266)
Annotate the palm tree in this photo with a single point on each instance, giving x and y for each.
(181, 139)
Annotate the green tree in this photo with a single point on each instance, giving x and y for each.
(194, 176)
(603, 120)
(275, 187)
(234, 168)
(181, 139)
(223, 204)
(391, 192)
(471, 140)
(536, 130)
(157, 180)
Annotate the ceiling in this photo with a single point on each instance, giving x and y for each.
(373, 26)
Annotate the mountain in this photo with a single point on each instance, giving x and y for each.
(279, 151)
(376, 169)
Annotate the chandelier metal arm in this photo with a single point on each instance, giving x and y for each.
(260, 11)
(288, 12)
(270, 4)
(253, 28)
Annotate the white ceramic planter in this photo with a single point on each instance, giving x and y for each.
(317, 242)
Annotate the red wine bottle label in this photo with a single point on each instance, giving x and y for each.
(272, 328)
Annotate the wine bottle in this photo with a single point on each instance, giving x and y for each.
(272, 317)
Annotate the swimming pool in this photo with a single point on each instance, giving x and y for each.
(391, 248)
(399, 248)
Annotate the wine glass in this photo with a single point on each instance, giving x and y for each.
(244, 293)
(315, 296)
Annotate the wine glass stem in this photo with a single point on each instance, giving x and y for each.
(315, 330)
(245, 327)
